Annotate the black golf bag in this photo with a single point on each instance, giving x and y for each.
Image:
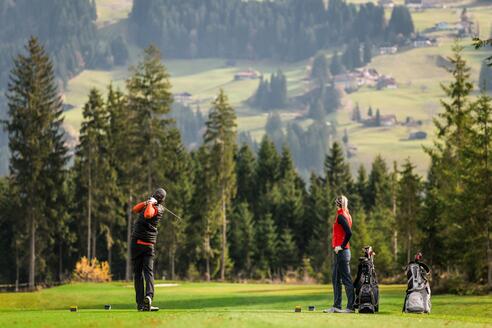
(418, 296)
(366, 283)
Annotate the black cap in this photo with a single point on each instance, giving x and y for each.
(159, 195)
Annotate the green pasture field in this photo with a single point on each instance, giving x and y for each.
(227, 305)
(416, 72)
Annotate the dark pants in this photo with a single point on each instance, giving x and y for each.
(341, 274)
(143, 267)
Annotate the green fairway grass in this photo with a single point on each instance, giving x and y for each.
(227, 305)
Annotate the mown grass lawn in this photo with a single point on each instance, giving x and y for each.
(227, 305)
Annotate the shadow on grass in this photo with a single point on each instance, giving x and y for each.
(233, 301)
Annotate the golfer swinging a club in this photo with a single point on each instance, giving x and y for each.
(144, 236)
(342, 231)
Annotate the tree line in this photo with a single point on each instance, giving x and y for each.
(246, 214)
(288, 30)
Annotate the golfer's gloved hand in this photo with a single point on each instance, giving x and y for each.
(337, 249)
(152, 201)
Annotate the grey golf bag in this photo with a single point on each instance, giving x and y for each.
(418, 296)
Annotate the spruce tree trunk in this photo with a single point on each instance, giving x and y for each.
(489, 258)
(395, 232)
(16, 266)
(94, 235)
(171, 262)
(395, 245)
(89, 212)
(207, 257)
(128, 268)
(409, 247)
(60, 260)
(32, 253)
(224, 238)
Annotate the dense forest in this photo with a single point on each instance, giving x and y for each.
(245, 214)
(287, 30)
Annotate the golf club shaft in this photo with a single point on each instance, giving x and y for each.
(173, 214)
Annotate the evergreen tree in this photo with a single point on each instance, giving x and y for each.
(96, 178)
(485, 77)
(377, 118)
(319, 71)
(356, 116)
(149, 97)
(220, 138)
(242, 237)
(367, 53)
(245, 175)
(378, 188)
(401, 21)
(123, 137)
(369, 111)
(336, 66)
(337, 171)
(38, 153)
(274, 129)
(266, 245)
(477, 195)
(287, 250)
(409, 207)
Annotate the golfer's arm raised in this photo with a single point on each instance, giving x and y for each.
(348, 232)
(150, 211)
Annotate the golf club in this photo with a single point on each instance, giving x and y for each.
(176, 216)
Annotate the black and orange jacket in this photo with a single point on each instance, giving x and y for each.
(145, 227)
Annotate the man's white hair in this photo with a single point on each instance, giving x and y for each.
(341, 202)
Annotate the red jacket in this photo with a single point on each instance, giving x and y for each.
(338, 234)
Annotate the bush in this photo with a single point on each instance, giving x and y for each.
(93, 271)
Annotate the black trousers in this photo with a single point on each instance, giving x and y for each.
(143, 271)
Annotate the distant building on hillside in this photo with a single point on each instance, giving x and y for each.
(442, 26)
(418, 135)
(414, 3)
(248, 74)
(386, 3)
(386, 82)
(388, 50)
(385, 120)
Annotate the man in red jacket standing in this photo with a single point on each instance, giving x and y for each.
(342, 231)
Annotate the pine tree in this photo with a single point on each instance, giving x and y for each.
(477, 195)
(401, 21)
(367, 53)
(96, 178)
(337, 171)
(319, 71)
(378, 189)
(409, 207)
(485, 77)
(242, 237)
(369, 111)
(149, 96)
(123, 139)
(245, 175)
(38, 153)
(220, 138)
(356, 116)
(336, 66)
(266, 245)
(287, 250)
(378, 118)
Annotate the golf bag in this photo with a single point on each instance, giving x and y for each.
(418, 296)
(366, 283)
